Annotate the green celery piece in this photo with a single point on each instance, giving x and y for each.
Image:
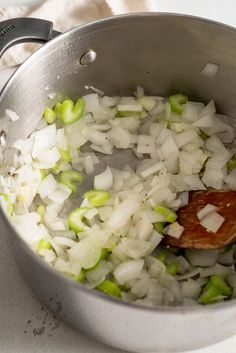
(169, 215)
(203, 136)
(110, 288)
(159, 227)
(220, 283)
(97, 197)
(49, 115)
(104, 253)
(5, 196)
(81, 276)
(10, 209)
(65, 155)
(124, 114)
(41, 211)
(176, 102)
(172, 269)
(44, 244)
(209, 294)
(43, 173)
(231, 164)
(69, 178)
(162, 256)
(56, 169)
(75, 219)
(70, 112)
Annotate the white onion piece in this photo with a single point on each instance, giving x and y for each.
(146, 144)
(122, 213)
(205, 211)
(174, 230)
(12, 115)
(191, 289)
(201, 258)
(47, 186)
(128, 270)
(104, 180)
(212, 222)
(129, 107)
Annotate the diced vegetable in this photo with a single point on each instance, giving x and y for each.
(109, 288)
(65, 155)
(231, 164)
(159, 227)
(169, 215)
(177, 101)
(216, 289)
(97, 197)
(75, 219)
(172, 269)
(69, 178)
(49, 115)
(70, 112)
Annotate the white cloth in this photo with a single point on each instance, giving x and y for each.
(65, 14)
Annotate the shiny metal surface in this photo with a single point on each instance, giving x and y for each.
(164, 54)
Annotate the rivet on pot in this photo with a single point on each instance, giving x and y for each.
(3, 139)
(88, 58)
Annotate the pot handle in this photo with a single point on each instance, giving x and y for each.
(25, 29)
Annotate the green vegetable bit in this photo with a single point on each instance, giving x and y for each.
(69, 112)
(65, 155)
(203, 136)
(81, 276)
(215, 289)
(176, 102)
(75, 219)
(124, 114)
(162, 256)
(159, 227)
(41, 211)
(97, 197)
(220, 283)
(231, 164)
(109, 288)
(49, 115)
(44, 244)
(172, 269)
(69, 178)
(43, 173)
(169, 215)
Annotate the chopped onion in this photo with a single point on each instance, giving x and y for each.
(212, 221)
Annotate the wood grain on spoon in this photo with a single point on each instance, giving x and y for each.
(196, 236)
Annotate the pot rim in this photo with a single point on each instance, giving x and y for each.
(170, 310)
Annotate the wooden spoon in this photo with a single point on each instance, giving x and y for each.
(196, 236)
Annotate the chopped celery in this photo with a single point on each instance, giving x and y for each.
(10, 206)
(172, 269)
(41, 211)
(210, 294)
(161, 256)
(104, 253)
(10, 209)
(43, 173)
(215, 288)
(81, 276)
(203, 136)
(97, 197)
(65, 155)
(57, 109)
(159, 227)
(5, 196)
(124, 114)
(69, 178)
(220, 283)
(231, 164)
(49, 115)
(75, 219)
(176, 102)
(70, 112)
(169, 215)
(44, 244)
(109, 288)
(56, 169)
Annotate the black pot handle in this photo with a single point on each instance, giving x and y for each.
(20, 30)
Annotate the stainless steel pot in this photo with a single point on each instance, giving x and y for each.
(163, 53)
